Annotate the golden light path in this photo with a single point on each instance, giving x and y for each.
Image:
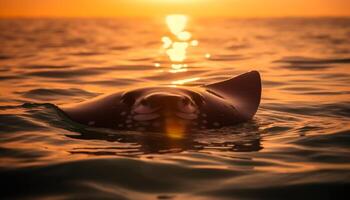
(183, 81)
(177, 44)
(175, 128)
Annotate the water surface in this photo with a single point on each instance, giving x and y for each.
(296, 147)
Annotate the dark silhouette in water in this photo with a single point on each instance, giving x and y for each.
(173, 109)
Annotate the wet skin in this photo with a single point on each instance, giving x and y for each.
(173, 108)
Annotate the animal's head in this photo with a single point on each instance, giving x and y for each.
(153, 103)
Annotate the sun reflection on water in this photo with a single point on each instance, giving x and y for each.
(175, 129)
(177, 44)
(176, 23)
(184, 81)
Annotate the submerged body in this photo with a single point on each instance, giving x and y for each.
(173, 109)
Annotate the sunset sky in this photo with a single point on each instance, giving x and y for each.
(135, 8)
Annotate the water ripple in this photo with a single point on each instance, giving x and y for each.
(50, 94)
(296, 147)
(316, 61)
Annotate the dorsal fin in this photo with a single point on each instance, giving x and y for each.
(244, 91)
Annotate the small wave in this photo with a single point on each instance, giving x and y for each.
(133, 67)
(49, 94)
(115, 82)
(300, 89)
(341, 109)
(64, 74)
(60, 44)
(340, 76)
(140, 59)
(327, 93)
(13, 123)
(5, 57)
(10, 77)
(112, 179)
(270, 83)
(120, 48)
(174, 76)
(86, 53)
(20, 154)
(237, 46)
(327, 38)
(337, 139)
(123, 178)
(306, 67)
(227, 57)
(306, 60)
(295, 191)
(47, 66)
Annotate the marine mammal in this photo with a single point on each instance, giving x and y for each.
(173, 109)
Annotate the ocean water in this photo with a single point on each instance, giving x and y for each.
(296, 147)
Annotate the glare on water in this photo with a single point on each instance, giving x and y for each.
(177, 44)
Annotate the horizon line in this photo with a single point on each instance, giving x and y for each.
(198, 17)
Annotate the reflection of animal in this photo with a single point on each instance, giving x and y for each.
(173, 109)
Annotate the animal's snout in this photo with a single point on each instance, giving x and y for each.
(163, 100)
(170, 102)
(167, 105)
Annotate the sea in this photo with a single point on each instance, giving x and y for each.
(297, 146)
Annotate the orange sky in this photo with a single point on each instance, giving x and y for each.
(114, 8)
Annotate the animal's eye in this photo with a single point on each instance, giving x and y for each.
(144, 102)
(128, 98)
(198, 99)
(186, 101)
